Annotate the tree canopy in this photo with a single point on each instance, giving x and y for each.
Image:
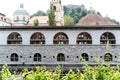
(68, 21)
(72, 12)
(36, 22)
(112, 20)
(51, 16)
(77, 12)
(39, 13)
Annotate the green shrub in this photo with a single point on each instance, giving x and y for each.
(100, 72)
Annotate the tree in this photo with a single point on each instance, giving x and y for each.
(39, 13)
(51, 16)
(91, 11)
(36, 22)
(76, 12)
(69, 21)
(112, 20)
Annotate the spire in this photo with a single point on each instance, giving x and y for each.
(21, 5)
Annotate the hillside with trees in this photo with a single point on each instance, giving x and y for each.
(39, 13)
(73, 13)
(76, 12)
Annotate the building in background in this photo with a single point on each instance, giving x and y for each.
(5, 21)
(59, 12)
(21, 17)
(43, 21)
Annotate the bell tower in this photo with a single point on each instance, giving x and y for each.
(59, 12)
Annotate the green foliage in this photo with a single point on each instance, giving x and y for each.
(100, 72)
(91, 11)
(51, 16)
(39, 13)
(75, 12)
(113, 20)
(36, 22)
(5, 72)
(68, 21)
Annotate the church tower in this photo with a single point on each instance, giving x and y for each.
(59, 12)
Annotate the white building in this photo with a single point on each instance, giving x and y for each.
(67, 46)
(21, 17)
(4, 21)
(92, 38)
(52, 46)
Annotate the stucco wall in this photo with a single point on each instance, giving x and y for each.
(49, 35)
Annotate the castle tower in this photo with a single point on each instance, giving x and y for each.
(59, 12)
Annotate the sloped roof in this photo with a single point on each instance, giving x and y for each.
(2, 14)
(94, 20)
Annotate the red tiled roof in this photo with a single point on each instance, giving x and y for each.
(2, 14)
(93, 20)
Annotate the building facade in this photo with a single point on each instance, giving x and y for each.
(43, 21)
(94, 39)
(21, 16)
(4, 21)
(59, 12)
(52, 46)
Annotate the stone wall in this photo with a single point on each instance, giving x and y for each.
(26, 53)
(49, 51)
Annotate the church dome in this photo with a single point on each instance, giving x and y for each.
(21, 10)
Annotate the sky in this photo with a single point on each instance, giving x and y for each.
(105, 7)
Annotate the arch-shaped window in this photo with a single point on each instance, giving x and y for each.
(85, 56)
(37, 38)
(60, 57)
(84, 38)
(108, 57)
(23, 18)
(14, 57)
(37, 57)
(14, 38)
(17, 18)
(54, 8)
(107, 37)
(61, 38)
